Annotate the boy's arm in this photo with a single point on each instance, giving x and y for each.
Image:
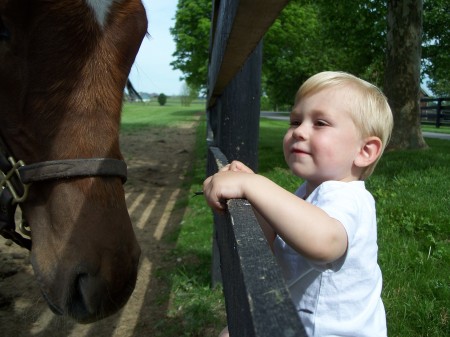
(305, 227)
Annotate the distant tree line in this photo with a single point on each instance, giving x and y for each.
(311, 36)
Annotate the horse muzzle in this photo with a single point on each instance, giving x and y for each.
(88, 294)
(84, 254)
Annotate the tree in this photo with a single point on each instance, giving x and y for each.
(310, 36)
(402, 75)
(354, 42)
(291, 52)
(188, 94)
(436, 44)
(191, 36)
(162, 99)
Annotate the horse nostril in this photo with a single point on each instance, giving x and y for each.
(86, 296)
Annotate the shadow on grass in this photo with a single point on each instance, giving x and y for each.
(189, 306)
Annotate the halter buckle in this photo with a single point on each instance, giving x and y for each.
(6, 181)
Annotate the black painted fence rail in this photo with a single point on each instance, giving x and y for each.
(257, 300)
(435, 111)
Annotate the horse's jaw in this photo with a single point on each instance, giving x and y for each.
(83, 272)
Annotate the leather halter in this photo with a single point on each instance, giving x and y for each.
(16, 177)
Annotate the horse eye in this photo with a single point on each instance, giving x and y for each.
(5, 34)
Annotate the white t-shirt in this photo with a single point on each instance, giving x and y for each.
(340, 298)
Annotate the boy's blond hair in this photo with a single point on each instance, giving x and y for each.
(369, 108)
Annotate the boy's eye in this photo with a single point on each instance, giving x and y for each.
(321, 122)
(295, 123)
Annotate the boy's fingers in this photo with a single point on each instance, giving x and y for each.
(235, 166)
(219, 205)
(225, 168)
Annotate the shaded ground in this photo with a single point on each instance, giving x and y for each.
(157, 164)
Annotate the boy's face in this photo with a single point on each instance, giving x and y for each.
(322, 141)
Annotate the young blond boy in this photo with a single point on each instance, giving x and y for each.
(324, 236)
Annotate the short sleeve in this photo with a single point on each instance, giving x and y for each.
(344, 202)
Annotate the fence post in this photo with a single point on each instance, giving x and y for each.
(438, 112)
(235, 115)
(234, 121)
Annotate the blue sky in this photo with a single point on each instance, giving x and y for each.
(152, 71)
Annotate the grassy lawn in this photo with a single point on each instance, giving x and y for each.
(430, 128)
(412, 190)
(138, 115)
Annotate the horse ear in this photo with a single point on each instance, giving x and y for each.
(369, 152)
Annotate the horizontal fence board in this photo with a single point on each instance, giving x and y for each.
(257, 300)
(239, 25)
(435, 99)
(433, 111)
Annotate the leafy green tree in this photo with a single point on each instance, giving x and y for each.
(291, 52)
(310, 36)
(188, 94)
(162, 99)
(191, 35)
(353, 36)
(436, 46)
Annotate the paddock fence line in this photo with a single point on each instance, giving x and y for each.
(435, 111)
(257, 300)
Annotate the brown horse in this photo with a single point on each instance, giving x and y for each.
(63, 68)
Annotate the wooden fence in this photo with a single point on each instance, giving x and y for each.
(257, 300)
(433, 111)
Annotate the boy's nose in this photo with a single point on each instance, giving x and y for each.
(300, 132)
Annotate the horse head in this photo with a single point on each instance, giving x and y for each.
(63, 68)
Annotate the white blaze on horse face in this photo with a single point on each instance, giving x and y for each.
(101, 9)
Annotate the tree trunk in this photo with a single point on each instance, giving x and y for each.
(402, 75)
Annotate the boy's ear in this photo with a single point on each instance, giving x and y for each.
(369, 152)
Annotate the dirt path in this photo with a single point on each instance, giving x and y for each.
(157, 164)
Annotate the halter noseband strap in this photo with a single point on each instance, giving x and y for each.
(70, 168)
(15, 178)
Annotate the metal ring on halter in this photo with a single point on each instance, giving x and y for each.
(24, 227)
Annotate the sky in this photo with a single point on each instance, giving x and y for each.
(151, 71)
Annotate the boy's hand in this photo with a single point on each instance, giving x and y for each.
(237, 166)
(229, 183)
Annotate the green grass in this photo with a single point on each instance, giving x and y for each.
(431, 128)
(412, 190)
(199, 309)
(138, 115)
